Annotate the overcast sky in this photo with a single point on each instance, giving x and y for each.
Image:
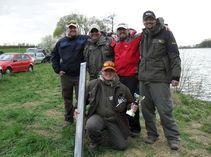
(30, 20)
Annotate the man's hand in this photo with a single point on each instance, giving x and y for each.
(61, 73)
(75, 113)
(174, 83)
(134, 107)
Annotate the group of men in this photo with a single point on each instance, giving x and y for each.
(145, 63)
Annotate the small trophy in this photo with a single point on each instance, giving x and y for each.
(138, 99)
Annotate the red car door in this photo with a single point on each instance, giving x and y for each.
(25, 62)
(16, 63)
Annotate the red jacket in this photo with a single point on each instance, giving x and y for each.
(127, 55)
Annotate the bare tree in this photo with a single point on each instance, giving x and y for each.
(47, 43)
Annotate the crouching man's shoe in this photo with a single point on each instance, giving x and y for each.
(173, 144)
(150, 139)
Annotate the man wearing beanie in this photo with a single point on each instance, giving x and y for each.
(159, 67)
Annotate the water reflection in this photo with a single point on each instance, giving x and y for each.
(196, 71)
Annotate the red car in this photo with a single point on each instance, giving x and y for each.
(16, 62)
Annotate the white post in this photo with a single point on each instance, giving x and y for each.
(78, 152)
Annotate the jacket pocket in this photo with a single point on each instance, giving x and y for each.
(159, 47)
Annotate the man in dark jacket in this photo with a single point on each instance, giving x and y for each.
(66, 58)
(109, 100)
(97, 50)
(160, 65)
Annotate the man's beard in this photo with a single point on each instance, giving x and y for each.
(122, 37)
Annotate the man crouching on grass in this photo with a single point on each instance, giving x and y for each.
(109, 100)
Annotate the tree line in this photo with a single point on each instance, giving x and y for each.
(204, 44)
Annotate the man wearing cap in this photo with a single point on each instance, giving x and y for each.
(97, 50)
(66, 58)
(127, 57)
(160, 65)
(109, 100)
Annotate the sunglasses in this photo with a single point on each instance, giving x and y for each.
(108, 64)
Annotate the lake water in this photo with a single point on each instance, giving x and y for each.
(196, 72)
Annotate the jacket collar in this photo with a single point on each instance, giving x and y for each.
(158, 27)
(113, 83)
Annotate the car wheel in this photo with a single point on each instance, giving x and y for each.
(8, 70)
(30, 68)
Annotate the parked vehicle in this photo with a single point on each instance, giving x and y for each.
(36, 53)
(1, 73)
(1, 52)
(16, 62)
(47, 59)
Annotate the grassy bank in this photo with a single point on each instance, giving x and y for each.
(31, 120)
(18, 50)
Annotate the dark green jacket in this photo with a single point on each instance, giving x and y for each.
(96, 54)
(160, 61)
(94, 94)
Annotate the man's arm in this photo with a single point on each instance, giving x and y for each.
(109, 54)
(55, 58)
(175, 61)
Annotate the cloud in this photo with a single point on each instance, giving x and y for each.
(28, 21)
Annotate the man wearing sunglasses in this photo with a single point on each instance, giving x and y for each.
(109, 100)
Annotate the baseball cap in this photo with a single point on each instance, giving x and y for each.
(94, 26)
(122, 25)
(72, 23)
(148, 14)
(108, 65)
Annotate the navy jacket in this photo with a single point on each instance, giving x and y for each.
(68, 54)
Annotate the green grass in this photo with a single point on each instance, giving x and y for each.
(19, 50)
(31, 120)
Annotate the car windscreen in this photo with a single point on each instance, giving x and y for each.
(6, 57)
(40, 55)
(31, 50)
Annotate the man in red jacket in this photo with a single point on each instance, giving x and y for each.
(127, 57)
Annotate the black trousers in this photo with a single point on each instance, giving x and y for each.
(68, 84)
(132, 83)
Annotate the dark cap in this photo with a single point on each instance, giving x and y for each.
(148, 14)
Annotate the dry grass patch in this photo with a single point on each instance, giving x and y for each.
(54, 113)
